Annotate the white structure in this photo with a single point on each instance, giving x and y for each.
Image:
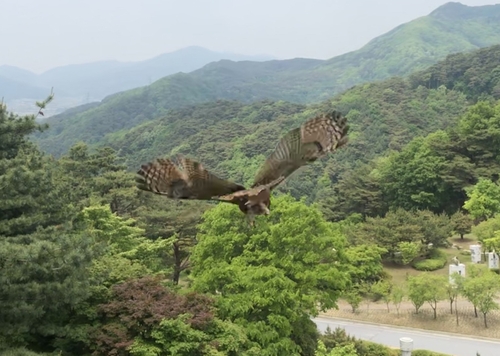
(460, 269)
(475, 253)
(493, 260)
(406, 346)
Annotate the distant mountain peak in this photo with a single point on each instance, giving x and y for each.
(458, 10)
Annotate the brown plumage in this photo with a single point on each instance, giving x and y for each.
(190, 180)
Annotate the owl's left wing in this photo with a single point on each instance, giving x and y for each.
(313, 139)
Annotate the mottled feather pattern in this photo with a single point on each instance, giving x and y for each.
(159, 177)
(327, 130)
(188, 179)
(314, 139)
(192, 181)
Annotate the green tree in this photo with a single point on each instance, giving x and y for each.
(484, 199)
(435, 290)
(462, 223)
(176, 220)
(346, 350)
(383, 290)
(364, 263)
(409, 251)
(120, 253)
(412, 178)
(417, 289)
(487, 229)
(293, 254)
(481, 287)
(145, 317)
(397, 295)
(452, 292)
(353, 297)
(479, 132)
(489, 285)
(43, 263)
(98, 175)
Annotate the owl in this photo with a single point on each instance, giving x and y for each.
(188, 179)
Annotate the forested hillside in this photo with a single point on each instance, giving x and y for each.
(93, 266)
(451, 28)
(232, 138)
(90, 265)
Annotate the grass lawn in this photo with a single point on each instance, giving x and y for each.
(468, 324)
(399, 273)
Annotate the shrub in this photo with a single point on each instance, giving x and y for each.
(339, 337)
(20, 352)
(426, 353)
(437, 260)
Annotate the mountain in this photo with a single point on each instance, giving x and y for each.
(18, 74)
(12, 89)
(386, 115)
(451, 28)
(96, 80)
(232, 138)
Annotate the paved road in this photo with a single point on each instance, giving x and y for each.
(446, 343)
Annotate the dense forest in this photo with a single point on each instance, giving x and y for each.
(90, 265)
(451, 28)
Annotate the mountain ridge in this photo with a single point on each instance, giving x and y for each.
(79, 80)
(407, 48)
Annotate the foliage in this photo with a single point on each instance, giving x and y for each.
(346, 350)
(273, 278)
(435, 291)
(21, 351)
(397, 295)
(160, 321)
(426, 353)
(487, 229)
(407, 48)
(90, 263)
(232, 139)
(353, 297)
(484, 199)
(382, 290)
(339, 338)
(421, 291)
(481, 288)
(364, 263)
(403, 234)
(462, 223)
(437, 260)
(43, 263)
(409, 251)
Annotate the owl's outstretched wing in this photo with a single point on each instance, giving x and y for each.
(188, 180)
(313, 139)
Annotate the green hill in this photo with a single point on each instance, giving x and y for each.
(96, 80)
(451, 28)
(233, 138)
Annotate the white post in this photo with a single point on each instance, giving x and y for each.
(406, 345)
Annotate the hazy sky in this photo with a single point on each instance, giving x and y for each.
(41, 34)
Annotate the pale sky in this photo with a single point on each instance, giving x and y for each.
(42, 34)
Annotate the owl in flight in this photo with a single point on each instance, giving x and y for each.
(190, 180)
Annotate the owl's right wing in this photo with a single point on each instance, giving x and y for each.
(313, 139)
(189, 180)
